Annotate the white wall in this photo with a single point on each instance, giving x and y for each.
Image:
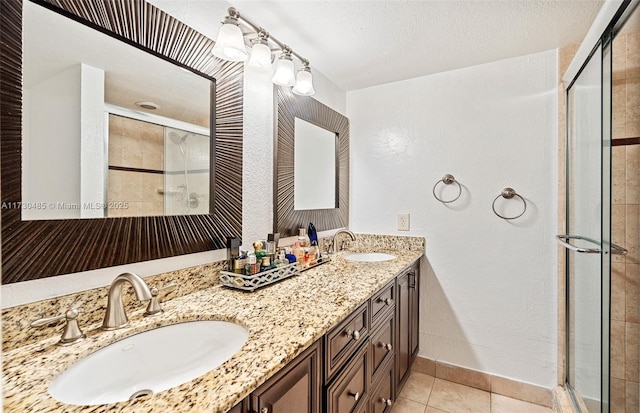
(64, 124)
(53, 118)
(489, 296)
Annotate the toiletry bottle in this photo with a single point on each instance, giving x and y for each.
(272, 245)
(312, 233)
(303, 238)
(281, 261)
(299, 253)
(314, 253)
(233, 251)
(258, 250)
(252, 267)
(265, 263)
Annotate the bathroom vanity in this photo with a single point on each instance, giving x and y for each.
(340, 337)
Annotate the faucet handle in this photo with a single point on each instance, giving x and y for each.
(71, 333)
(154, 307)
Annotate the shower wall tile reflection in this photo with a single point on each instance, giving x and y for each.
(139, 146)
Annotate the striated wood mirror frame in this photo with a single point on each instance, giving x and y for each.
(38, 249)
(287, 219)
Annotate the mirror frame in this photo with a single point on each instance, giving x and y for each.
(287, 219)
(38, 249)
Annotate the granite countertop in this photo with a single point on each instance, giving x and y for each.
(282, 319)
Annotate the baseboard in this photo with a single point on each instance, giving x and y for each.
(484, 381)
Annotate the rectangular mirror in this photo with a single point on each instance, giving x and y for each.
(132, 130)
(314, 166)
(39, 248)
(311, 178)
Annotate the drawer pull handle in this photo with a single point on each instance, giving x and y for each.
(388, 402)
(388, 346)
(356, 395)
(353, 334)
(388, 301)
(264, 410)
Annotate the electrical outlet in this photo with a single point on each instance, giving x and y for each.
(403, 222)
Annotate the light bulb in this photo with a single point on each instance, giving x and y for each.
(230, 44)
(304, 83)
(260, 57)
(284, 75)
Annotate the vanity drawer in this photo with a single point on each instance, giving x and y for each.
(382, 394)
(349, 391)
(382, 302)
(382, 344)
(345, 338)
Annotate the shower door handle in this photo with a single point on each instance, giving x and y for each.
(564, 241)
(618, 250)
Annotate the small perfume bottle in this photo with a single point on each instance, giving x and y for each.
(303, 238)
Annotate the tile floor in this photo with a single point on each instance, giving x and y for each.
(425, 394)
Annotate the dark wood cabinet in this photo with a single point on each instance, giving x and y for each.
(383, 393)
(383, 343)
(296, 388)
(240, 407)
(350, 389)
(358, 366)
(407, 317)
(343, 340)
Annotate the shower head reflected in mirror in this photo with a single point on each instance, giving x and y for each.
(176, 138)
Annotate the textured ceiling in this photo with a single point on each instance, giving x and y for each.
(363, 43)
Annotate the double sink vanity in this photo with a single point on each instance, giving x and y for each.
(336, 338)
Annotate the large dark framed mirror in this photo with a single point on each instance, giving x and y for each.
(37, 248)
(311, 167)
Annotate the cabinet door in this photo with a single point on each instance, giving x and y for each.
(382, 398)
(408, 320)
(414, 311)
(296, 388)
(382, 344)
(239, 408)
(403, 351)
(349, 391)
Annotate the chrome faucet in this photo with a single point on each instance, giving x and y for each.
(333, 247)
(116, 316)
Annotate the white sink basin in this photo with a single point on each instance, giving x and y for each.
(369, 256)
(148, 362)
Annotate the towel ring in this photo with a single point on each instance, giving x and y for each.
(448, 179)
(508, 193)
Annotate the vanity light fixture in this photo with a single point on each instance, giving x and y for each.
(304, 82)
(230, 46)
(260, 58)
(285, 75)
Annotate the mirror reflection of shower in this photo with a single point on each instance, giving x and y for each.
(186, 172)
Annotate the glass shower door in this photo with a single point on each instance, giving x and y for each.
(588, 234)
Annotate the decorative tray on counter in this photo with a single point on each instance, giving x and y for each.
(264, 278)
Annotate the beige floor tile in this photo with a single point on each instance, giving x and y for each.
(503, 404)
(433, 410)
(407, 406)
(456, 398)
(418, 387)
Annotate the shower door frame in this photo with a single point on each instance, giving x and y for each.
(605, 46)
